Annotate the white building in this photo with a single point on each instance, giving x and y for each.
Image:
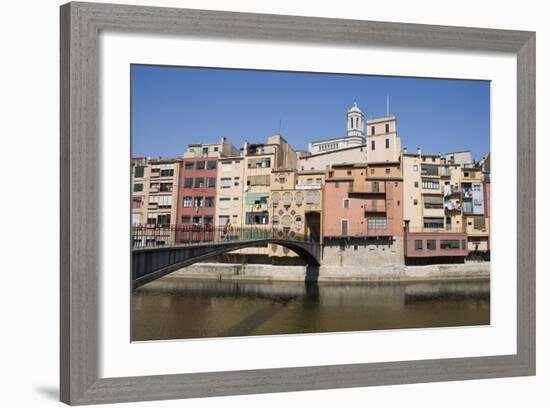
(355, 134)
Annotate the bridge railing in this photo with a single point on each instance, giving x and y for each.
(153, 236)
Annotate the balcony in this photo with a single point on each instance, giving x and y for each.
(375, 206)
(368, 187)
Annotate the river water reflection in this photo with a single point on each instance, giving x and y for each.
(178, 309)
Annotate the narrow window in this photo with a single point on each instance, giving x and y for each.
(372, 145)
(387, 128)
(387, 143)
(344, 227)
(346, 203)
(372, 130)
(418, 244)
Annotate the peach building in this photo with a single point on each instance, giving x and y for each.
(363, 201)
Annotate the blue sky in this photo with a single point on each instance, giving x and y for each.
(174, 106)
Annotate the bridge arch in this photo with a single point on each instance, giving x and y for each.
(149, 264)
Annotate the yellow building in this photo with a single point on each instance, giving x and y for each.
(295, 207)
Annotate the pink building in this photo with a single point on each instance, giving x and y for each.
(196, 197)
(358, 204)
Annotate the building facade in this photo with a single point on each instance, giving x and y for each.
(383, 142)
(229, 191)
(197, 191)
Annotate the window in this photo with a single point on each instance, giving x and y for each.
(197, 219)
(466, 174)
(137, 202)
(208, 219)
(282, 180)
(433, 202)
(372, 145)
(139, 171)
(275, 197)
(205, 152)
(138, 187)
(198, 202)
(225, 182)
(372, 130)
(431, 244)
(313, 197)
(375, 187)
(161, 201)
(222, 219)
(226, 166)
(187, 183)
(349, 172)
(165, 187)
(416, 184)
(286, 221)
(387, 171)
(225, 203)
(415, 167)
(166, 172)
(298, 223)
(387, 143)
(418, 244)
(257, 218)
(199, 165)
(209, 201)
(187, 202)
(377, 223)
(185, 219)
(199, 182)
(344, 226)
(189, 165)
(387, 128)
(211, 182)
(415, 201)
(287, 199)
(479, 223)
(346, 203)
(433, 222)
(430, 184)
(211, 164)
(371, 171)
(299, 198)
(237, 181)
(430, 170)
(449, 244)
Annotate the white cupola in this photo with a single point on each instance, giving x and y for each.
(356, 121)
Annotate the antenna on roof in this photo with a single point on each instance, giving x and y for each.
(388, 105)
(280, 121)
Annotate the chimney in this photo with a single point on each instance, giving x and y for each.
(418, 151)
(405, 150)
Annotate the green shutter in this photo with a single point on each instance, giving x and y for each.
(138, 187)
(139, 171)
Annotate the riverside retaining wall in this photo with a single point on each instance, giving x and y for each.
(261, 272)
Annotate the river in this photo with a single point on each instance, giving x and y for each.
(181, 308)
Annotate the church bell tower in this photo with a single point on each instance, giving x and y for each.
(355, 121)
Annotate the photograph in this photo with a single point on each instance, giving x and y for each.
(279, 203)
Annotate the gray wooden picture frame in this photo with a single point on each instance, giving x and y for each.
(80, 192)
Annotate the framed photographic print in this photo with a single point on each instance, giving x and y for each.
(308, 202)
